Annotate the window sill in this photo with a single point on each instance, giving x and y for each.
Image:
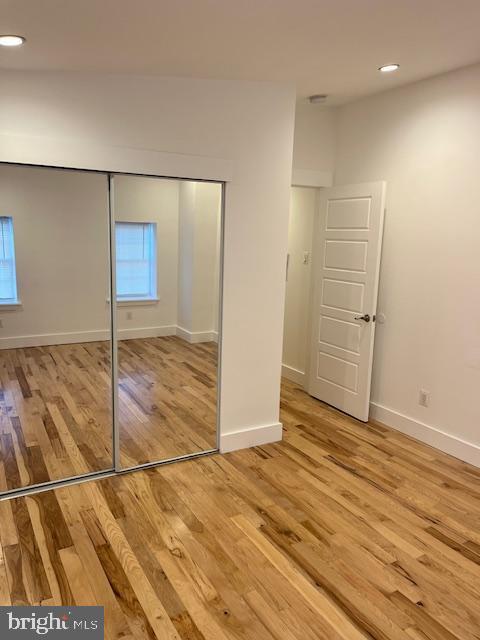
(10, 305)
(136, 302)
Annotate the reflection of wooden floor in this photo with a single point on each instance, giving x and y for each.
(55, 412)
(344, 531)
(55, 417)
(167, 399)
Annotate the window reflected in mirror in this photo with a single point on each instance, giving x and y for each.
(8, 272)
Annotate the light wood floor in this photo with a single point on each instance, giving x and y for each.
(55, 407)
(167, 398)
(343, 530)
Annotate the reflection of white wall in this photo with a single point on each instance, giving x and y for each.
(55, 219)
(206, 255)
(60, 221)
(186, 237)
(151, 200)
(199, 222)
(295, 331)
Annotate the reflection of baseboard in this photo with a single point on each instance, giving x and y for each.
(252, 437)
(73, 337)
(295, 375)
(197, 336)
(147, 332)
(45, 339)
(466, 451)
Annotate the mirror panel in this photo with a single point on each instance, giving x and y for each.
(167, 255)
(55, 349)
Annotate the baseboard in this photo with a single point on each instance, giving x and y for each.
(46, 339)
(197, 336)
(147, 332)
(295, 375)
(96, 335)
(73, 337)
(446, 442)
(252, 437)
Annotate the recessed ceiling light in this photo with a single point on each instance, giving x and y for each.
(11, 41)
(388, 68)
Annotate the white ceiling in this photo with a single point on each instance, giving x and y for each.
(324, 46)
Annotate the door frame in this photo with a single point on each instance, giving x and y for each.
(317, 180)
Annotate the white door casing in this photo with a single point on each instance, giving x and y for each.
(345, 272)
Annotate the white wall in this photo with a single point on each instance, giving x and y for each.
(250, 125)
(314, 140)
(295, 332)
(151, 200)
(424, 140)
(61, 237)
(186, 235)
(198, 260)
(60, 221)
(207, 221)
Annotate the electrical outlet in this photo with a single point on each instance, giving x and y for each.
(306, 257)
(424, 398)
(129, 315)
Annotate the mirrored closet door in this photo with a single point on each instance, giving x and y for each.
(109, 322)
(55, 350)
(167, 245)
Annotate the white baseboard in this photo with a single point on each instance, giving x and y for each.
(73, 337)
(96, 335)
(46, 339)
(197, 336)
(147, 332)
(466, 451)
(295, 375)
(252, 437)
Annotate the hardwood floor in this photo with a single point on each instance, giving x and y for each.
(55, 407)
(342, 531)
(55, 416)
(167, 399)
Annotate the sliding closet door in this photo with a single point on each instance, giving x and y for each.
(55, 350)
(167, 237)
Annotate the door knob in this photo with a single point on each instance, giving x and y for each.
(365, 318)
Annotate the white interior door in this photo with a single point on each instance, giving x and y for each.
(347, 246)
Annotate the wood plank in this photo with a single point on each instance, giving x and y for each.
(57, 406)
(327, 535)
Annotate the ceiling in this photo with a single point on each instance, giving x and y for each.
(324, 46)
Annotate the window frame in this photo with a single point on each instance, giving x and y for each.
(152, 295)
(14, 301)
